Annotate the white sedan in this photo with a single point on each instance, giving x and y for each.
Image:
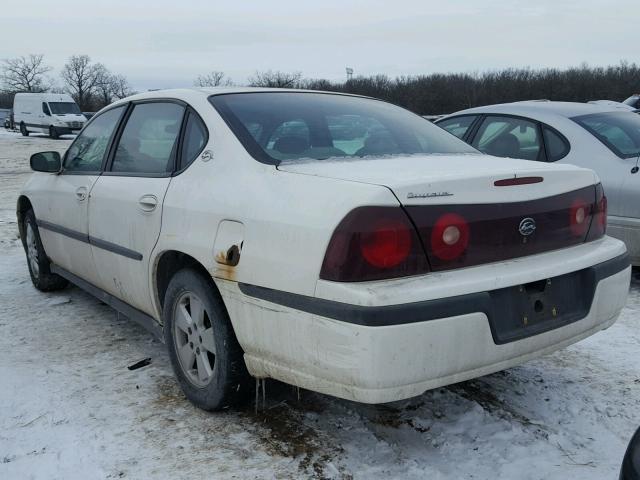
(333, 242)
(600, 136)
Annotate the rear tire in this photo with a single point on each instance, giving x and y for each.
(37, 260)
(53, 133)
(205, 354)
(23, 130)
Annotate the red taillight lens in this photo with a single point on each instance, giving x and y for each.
(580, 217)
(373, 243)
(599, 221)
(387, 245)
(449, 237)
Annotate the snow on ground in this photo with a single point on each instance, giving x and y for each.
(70, 408)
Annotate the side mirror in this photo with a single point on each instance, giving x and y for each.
(48, 162)
(631, 463)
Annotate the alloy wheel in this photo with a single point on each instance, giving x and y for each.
(32, 251)
(194, 339)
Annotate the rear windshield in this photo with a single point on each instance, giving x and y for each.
(620, 131)
(277, 126)
(62, 108)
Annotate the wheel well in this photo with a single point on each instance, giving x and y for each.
(168, 264)
(24, 205)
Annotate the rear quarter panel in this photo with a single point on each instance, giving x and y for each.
(287, 218)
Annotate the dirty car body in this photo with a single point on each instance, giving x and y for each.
(358, 250)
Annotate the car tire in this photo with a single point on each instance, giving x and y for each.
(23, 130)
(37, 260)
(53, 133)
(204, 351)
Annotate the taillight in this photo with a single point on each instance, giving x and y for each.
(580, 217)
(449, 237)
(599, 219)
(373, 243)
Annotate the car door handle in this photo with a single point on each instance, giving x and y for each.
(81, 193)
(148, 203)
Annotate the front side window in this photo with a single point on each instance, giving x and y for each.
(509, 137)
(278, 126)
(89, 148)
(458, 126)
(45, 108)
(149, 140)
(64, 108)
(619, 131)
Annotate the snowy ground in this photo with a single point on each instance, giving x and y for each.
(70, 408)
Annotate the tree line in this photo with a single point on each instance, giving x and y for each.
(93, 86)
(440, 93)
(90, 84)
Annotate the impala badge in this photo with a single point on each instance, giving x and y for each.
(527, 226)
(429, 194)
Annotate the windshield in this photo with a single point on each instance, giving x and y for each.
(277, 126)
(620, 131)
(63, 108)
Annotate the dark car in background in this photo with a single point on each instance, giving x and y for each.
(631, 464)
(5, 117)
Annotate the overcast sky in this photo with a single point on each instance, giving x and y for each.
(161, 44)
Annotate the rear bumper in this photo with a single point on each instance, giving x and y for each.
(626, 229)
(376, 353)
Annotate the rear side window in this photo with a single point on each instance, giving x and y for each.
(557, 146)
(88, 149)
(195, 138)
(509, 137)
(458, 126)
(149, 140)
(619, 131)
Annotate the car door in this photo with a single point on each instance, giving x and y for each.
(125, 210)
(62, 202)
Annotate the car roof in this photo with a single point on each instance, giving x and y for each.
(185, 93)
(537, 107)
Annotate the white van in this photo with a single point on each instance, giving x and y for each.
(52, 113)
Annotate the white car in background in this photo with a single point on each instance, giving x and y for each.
(334, 242)
(633, 101)
(53, 114)
(602, 137)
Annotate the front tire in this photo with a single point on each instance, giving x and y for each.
(23, 130)
(53, 133)
(37, 260)
(205, 354)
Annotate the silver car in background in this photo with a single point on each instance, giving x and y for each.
(601, 137)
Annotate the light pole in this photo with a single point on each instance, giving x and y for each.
(349, 73)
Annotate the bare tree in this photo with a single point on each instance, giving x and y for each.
(120, 87)
(212, 79)
(24, 74)
(111, 87)
(82, 78)
(276, 79)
